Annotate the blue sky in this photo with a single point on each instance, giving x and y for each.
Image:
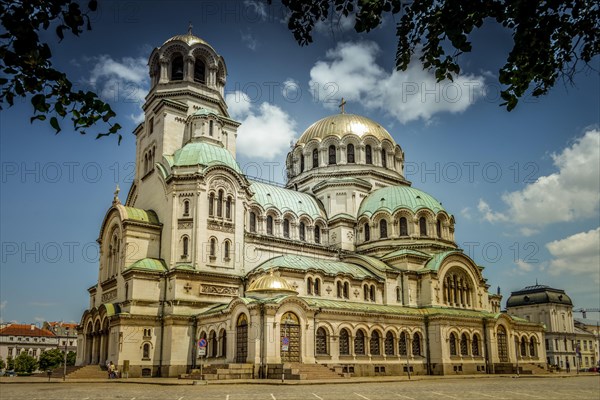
(523, 186)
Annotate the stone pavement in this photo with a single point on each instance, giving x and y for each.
(553, 387)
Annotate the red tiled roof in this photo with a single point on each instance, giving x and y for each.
(24, 330)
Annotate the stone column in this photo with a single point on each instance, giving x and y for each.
(164, 71)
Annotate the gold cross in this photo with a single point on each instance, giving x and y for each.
(190, 26)
(342, 104)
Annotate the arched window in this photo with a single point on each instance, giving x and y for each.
(226, 250)
(185, 251)
(332, 155)
(146, 352)
(321, 341)
(199, 71)
(350, 153)
(344, 342)
(317, 287)
(228, 208)
(372, 293)
(398, 294)
(439, 228)
(383, 158)
(339, 289)
(241, 339)
(213, 247)
(374, 345)
(368, 154)
(359, 343)
(346, 290)
(402, 344)
(177, 69)
(286, 228)
(317, 234)
(416, 345)
(367, 233)
(186, 208)
(464, 345)
(301, 162)
(252, 222)
(453, 344)
(389, 344)
(269, 225)
(309, 286)
(532, 347)
(220, 204)
(315, 158)
(475, 346)
(211, 127)
(302, 231)
(211, 204)
(423, 226)
(366, 292)
(383, 229)
(523, 347)
(403, 227)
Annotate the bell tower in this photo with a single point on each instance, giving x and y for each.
(185, 103)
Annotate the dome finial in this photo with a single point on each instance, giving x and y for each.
(341, 106)
(190, 26)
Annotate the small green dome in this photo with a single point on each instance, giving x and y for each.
(393, 198)
(205, 154)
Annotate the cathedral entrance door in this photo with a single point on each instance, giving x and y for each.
(241, 339)
(290, 338)
(502, 344)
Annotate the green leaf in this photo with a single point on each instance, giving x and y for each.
(55, 125)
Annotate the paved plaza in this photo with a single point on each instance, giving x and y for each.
(584, 387)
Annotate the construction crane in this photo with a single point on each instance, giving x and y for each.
(584, 311)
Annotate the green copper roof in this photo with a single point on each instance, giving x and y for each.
(137, 214)
(393, 198)
(204, 154)
(374, 265)
(405, 252)
(303, 263)
(437, 259)
(184, 267)
(361, 307)
(148, 264)
(286, 200)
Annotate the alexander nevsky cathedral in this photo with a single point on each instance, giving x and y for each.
(347, 270)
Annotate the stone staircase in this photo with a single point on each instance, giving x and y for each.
(533, 369)
(298, 371)
(88, 372)
(221, 371)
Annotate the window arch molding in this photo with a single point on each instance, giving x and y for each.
(409, 217)
(458, 286)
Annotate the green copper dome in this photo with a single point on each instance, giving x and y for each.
(205, 154)
(393, 198)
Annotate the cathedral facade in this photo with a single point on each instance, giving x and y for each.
(347, 266)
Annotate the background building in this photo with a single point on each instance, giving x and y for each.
(66, 334)
(18, 338)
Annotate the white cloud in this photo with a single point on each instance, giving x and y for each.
(487, 213)
(572, 193)
(39, 319)
(577, 254)
(525, 231)
(523, 266)
(351, 71)
(266, 130)
(257, 7)
(466, 213)
(3, 304)
(120, 81)
(249, 40)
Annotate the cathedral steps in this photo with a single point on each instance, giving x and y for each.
(221, 371)
(533, 369)
(298, 371)
(88, 372)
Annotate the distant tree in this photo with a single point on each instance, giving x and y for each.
(71, 358)
(2, 363)
(25, 363)
(10, 363)
(50, 359)
(26, 64)
(551, 39)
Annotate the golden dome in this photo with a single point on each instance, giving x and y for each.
(343, 124)
(271, 283)
(188, 38)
